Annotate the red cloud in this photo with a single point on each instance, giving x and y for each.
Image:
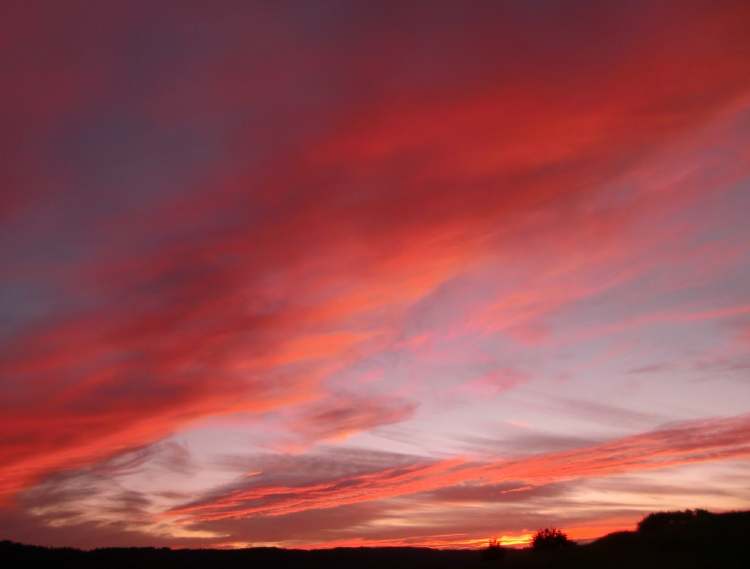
(275, 268)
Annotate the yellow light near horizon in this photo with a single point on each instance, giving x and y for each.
(516, 540)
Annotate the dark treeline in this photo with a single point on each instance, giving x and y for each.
(684, 540)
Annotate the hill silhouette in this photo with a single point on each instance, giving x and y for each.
(685, 540)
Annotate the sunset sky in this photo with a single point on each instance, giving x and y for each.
(330, 273)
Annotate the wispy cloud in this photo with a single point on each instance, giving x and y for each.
(699, 441)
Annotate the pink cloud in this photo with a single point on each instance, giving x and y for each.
(495, 382)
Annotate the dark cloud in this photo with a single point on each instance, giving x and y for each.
(532, 442)
(653, 368)
(498, 493)
(340, 416)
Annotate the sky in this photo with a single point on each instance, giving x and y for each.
(311, 274)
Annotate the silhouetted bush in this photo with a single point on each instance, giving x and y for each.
(549, 539)
(494, 551)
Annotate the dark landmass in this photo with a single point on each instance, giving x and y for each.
(667, 540)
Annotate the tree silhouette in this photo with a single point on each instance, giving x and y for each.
(660, 522)
(549, 539)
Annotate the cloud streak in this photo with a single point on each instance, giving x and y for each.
(671, 446)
